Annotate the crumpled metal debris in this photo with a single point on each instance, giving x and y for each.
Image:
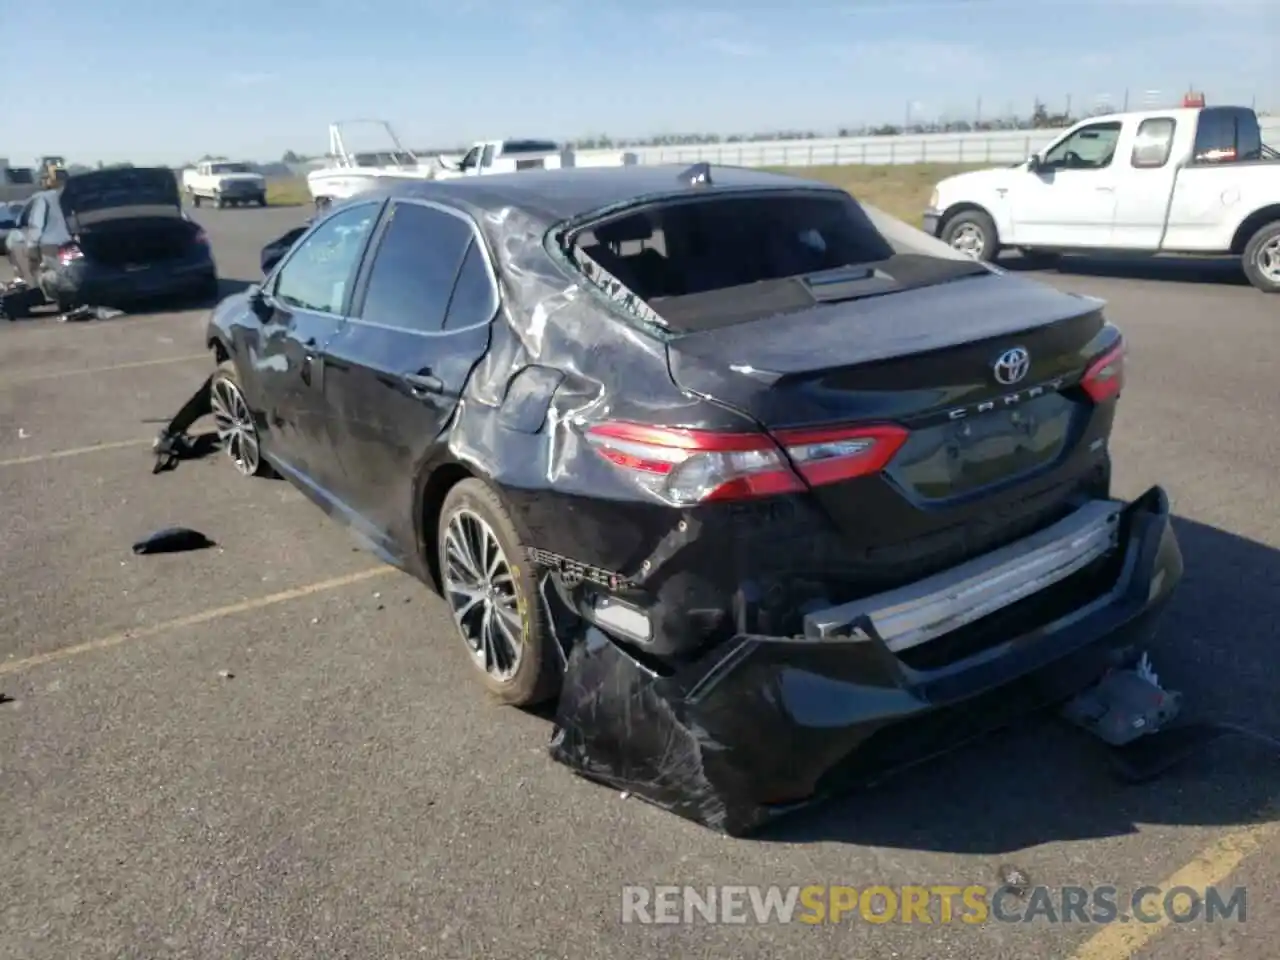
(173, 540)
(173, 443)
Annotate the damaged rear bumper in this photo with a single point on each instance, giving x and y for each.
(765, 724)
(108, 285)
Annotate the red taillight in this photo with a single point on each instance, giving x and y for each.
(68, 252)
(684, 467)
(1105, 377)
(201, 238)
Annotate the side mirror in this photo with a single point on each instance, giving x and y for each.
(269, 260)
(260, 305)
(1033, 163)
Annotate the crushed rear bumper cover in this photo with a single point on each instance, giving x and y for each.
(764, 725)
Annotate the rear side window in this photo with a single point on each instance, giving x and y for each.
(475, 300)
(1227, 134)
(414, 268)
(1153, 142)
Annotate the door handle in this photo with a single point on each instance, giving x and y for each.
(1105, 189)
(421, 384)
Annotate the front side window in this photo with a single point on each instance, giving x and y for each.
(319, 272)
(1090, 148)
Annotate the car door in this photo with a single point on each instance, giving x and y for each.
(301, 306)
(1069, 200)
(396, 371)
(1142, 205)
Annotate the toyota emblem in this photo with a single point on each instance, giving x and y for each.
(1012, 366)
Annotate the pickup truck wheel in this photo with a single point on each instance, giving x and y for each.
(195, 199)
(974, 233)
(219, 201)
(1261, 258)
(493, 597)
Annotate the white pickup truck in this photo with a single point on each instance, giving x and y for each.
(224, 182)
(507, 156)
(1195, 181)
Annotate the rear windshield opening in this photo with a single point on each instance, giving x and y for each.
(720, 260)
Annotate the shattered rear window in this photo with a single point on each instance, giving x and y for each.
(656, 260)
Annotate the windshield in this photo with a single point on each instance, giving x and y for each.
(385, 159)
(758, 247)
(229, 168)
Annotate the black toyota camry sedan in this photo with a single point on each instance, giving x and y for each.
(767, 488)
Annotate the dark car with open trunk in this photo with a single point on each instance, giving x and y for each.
(772, 491)
(110, 237)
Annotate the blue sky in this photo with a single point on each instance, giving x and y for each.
(164, 81)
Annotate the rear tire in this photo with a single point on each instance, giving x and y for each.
(493, 597)
(972, 232)
(1261, 259)
(262, 200)
(195, 200)
(219, 201)
(237, 429)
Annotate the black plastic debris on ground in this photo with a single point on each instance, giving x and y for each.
(173, 540)
(173, 444)
(17, 300)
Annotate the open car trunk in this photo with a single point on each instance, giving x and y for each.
(137, 241)
(128, 216)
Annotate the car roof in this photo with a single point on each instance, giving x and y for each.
(563, 194)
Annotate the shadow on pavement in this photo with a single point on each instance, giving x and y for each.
(1045, 782)
(1226, 270)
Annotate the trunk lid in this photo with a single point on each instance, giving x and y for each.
(924, 359)
(120, 194)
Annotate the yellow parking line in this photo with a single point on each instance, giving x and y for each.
(80, 371)
(74, 452)
(1210, 867)
(191, 620)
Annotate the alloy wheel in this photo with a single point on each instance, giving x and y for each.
(480, 587)
(236, 429)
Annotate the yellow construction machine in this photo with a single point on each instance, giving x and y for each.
(53, 172)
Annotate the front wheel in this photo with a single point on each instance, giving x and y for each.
(972, 232)
(493, 596)
(237, 429)
(219, 201)
(195, 199)
(1261, 258)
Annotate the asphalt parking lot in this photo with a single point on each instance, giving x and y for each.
(348, 791)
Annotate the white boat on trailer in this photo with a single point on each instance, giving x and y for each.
(349, 173)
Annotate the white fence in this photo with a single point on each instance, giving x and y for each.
(993, 147)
